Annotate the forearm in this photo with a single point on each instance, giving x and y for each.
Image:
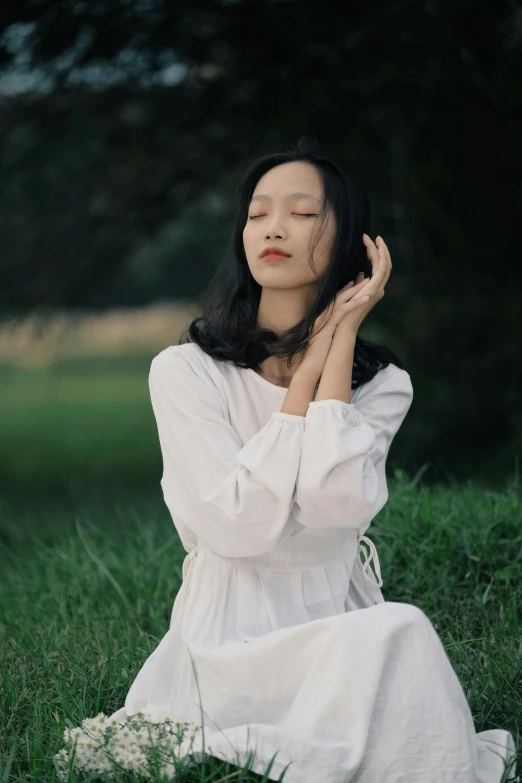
(337, 484)
(300, 392)
(336, 380)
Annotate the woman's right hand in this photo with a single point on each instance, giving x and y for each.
(320, 342)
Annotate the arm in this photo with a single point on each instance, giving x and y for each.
(336, 380)
(300, 392)
(235, 497)
(342, 479)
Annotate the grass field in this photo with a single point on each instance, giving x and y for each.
(76, 424)
(91, 563)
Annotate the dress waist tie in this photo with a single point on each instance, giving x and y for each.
(366, 570)
(186, 571)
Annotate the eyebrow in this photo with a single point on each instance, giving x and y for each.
(290, 195)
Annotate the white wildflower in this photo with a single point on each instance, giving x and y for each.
(142, 715)
(102, 745)
(61, 763)
(95, 726)
(70, 734)
(137, 762)
(171, 741)
(124, 738)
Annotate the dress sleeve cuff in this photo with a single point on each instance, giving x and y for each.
(353, 415)
(288, 416)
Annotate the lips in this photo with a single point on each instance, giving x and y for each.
(274, 253)
(274, 257)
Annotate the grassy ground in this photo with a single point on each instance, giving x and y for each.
(76, 424)
(91, 563)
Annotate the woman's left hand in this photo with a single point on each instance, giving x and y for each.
(379, 256)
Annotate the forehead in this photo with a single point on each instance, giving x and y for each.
(290, 181)
(295, 195)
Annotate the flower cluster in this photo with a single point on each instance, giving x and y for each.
(106, 746)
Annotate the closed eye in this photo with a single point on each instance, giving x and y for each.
(300, 214)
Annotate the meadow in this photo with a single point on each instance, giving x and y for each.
(91, 562)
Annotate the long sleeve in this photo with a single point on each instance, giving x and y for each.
(342, 480)
(235, 497)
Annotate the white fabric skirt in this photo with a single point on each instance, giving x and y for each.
(365, 694)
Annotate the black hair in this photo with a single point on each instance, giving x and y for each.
(227, 329)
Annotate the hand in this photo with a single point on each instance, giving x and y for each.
(379, 256)
(319, 344)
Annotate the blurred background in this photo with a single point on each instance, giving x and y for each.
(125, 128)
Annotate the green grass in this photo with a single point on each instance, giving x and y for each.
(76, 424)
(91, 564)
(87, 594)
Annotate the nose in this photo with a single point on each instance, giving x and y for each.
(275, 230)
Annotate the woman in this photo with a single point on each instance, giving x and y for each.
(275, 421)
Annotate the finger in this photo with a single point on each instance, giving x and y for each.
(379, 262)
(382, 260)
(357, 300)
(365, 289)
(351, 284)
(383, 247)
(386, 252)
(372, 251)
(385, 261)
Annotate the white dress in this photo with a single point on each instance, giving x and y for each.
(280, 640)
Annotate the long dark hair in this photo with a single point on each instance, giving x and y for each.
(227, 329)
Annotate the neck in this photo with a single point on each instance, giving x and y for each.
(276, 369)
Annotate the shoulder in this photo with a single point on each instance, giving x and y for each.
(186, 355)
(389, 380)
(397, 378)
(187, 367)
(174, 357)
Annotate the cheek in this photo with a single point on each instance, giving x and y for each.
(326, 242)
(248, 237)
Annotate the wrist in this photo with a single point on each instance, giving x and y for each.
(345, 333)
(336, 381)
(307, 374)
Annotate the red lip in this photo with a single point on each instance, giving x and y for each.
(274, 251)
